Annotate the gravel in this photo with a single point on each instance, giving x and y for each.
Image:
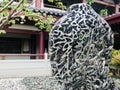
(34, 83)
(29, 83)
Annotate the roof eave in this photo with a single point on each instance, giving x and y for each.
(52, 11)
(113, 19)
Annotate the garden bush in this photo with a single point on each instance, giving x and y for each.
(115, 60)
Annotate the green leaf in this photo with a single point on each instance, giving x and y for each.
(11, 7)
(2, 32)
(17, 19)
(30, 18)
(6, 13)
(13, 21)
(51, 1)
(5, 2)
(104, 12)
(90, 2)
(1, 14)
(48, 27)
(25, 1)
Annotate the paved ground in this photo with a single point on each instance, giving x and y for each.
(117, 81)
(34, 83)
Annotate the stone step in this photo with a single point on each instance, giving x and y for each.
(24, 68)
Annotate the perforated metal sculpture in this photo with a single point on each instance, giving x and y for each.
(80, 49)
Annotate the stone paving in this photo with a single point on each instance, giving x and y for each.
(33, 83)
(117, 81)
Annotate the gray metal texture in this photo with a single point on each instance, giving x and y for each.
(80, 47)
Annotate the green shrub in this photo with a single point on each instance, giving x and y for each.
(115, 61)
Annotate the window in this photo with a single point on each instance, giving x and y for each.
(10, 45)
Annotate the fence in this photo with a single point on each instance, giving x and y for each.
(24, 56)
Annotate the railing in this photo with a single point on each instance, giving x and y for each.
(51, 6)
(31, 56)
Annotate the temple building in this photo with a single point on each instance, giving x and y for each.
(27, 41)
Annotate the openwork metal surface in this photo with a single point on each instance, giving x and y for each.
(80, 48)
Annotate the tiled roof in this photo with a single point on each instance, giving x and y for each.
(51, 11)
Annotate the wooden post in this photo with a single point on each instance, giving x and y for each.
(3, 57)
(39, 3)
(41, 45)
(116, 8)
(83, 1)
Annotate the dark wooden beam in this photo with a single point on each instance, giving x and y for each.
(105, 3)
(10, 30)
(112, 17)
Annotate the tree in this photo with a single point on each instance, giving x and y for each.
(12, 12)
(18, 12)
(58, 3)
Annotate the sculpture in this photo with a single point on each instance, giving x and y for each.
(80, 47)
